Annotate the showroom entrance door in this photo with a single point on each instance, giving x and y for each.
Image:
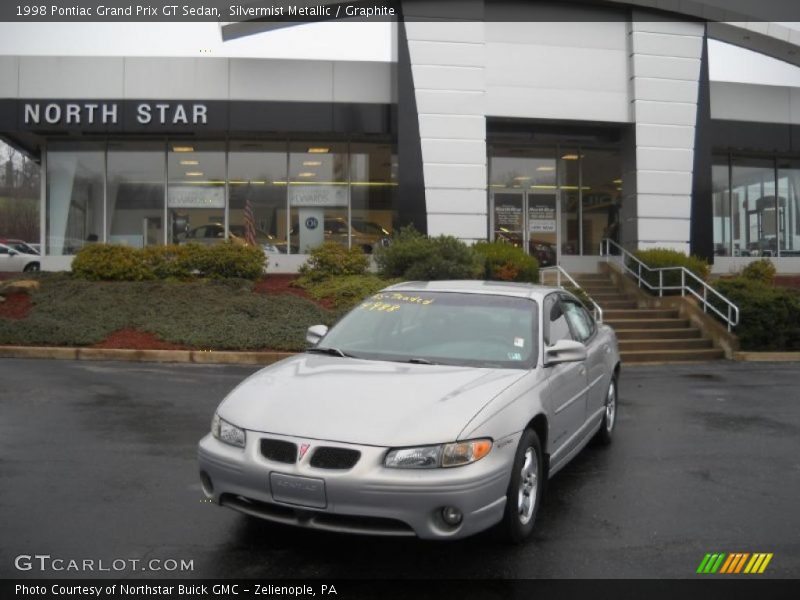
(527, 219)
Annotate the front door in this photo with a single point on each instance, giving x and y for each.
(527, 219)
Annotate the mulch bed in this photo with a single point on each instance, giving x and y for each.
(16, 306)
(281, 284)
(131, 339)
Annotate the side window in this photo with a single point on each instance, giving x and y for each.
(555, 321)
(3, 250)
(582, 323)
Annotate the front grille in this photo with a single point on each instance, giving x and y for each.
(327, 457)
(279, 450)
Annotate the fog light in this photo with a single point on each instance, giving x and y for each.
(451, 515)
(208, 487)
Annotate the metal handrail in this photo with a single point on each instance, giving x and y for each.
(559, 270)
(732, 316)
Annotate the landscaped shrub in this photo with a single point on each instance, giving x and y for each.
(760, 270)
(505, 262)
(769, 317)
(332, 259)
(226, 260)
(346, 291)
(412, 255)
(174, 261)
(106, 262)
(657, 258)
(109, 262)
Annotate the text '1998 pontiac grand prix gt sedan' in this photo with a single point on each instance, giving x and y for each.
(431, 409)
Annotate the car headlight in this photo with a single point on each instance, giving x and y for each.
(226, 432)
(443, 455)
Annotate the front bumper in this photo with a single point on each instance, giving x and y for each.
(368, 498)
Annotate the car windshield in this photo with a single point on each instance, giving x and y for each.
(441, 328)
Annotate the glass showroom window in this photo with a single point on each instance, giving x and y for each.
(257, 194)
(570, 181)
(318, 195)
(753, 207)
(196, 192)
(721, 198)
(136, 177)
(75, 181)
(19, 207)
(601, 197)
(789, 203)
(373, 193)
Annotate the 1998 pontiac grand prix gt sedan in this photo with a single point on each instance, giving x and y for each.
(432, 409)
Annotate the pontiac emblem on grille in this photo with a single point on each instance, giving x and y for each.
(303, 449)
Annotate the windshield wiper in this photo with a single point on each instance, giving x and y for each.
(330, 352)
(420, 361)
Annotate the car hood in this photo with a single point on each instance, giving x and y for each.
(363, 402)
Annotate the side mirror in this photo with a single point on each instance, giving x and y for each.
(564, 351)
(315, 333)
(12, 252)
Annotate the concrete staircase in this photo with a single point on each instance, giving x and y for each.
(647, 334)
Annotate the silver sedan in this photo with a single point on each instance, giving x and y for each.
(431, 409)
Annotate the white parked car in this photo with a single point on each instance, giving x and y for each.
(432, 409)
(12, 259)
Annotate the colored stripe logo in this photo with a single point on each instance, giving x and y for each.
(734, 563)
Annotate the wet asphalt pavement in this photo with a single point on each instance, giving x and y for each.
(97, 461)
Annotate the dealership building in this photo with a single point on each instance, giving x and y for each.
(547, 127)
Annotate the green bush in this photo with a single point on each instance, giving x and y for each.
(412, 255)
(174, 261)
(769, 317)
(332, 259)
(109, 262)
(760, 270)
(505, 262)
(231, 260)
(657, 258)
(346, 291)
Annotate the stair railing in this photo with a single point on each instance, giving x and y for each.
(560, 272)
(624, 258)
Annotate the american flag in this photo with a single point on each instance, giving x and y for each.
(249, 220)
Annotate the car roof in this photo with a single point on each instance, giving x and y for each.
(471, 286)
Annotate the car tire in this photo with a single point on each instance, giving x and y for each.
(31, 267)
(606, 432)
(524, 490)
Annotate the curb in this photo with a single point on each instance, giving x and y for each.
(160, 356)
(767, 356)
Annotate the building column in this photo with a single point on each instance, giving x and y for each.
(447, 65)
(665, 58)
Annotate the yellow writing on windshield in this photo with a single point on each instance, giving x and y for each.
(380, 306)
(398, 297)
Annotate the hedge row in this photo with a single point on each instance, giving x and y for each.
(108, 262)
(218, 314)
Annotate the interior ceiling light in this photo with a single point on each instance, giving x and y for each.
(183, 148)
(306, 174)
(312, 163)
(194, 173)
(318, 150)
(190, 162)
(617, 181)
(543, 168)
(522, 178)
(571, 157)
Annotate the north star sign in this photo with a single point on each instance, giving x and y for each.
(108, 113)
